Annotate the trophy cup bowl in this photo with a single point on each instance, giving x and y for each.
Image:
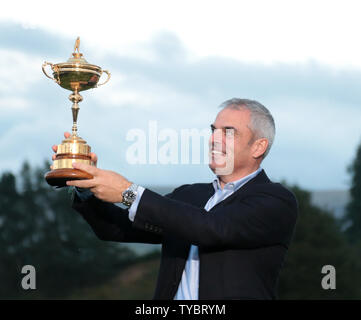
(75, 75)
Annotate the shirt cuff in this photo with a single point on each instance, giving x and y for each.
(133, 208)
(83, 194)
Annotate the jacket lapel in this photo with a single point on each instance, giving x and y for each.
(199, 198)
(259, 178)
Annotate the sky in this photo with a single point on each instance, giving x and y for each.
(175, 62)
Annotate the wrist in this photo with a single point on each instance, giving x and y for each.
(127, 185)
(129, 194)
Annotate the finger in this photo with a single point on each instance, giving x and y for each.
(89, 183)
(93, 190)
(94, 158)
(86, 167)
(53, 156)
(55, 148)
(66, 134)
(51, 167)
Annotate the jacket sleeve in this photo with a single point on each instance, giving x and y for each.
(260, 219)
(111, 223)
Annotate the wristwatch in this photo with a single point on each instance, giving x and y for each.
(129, 195)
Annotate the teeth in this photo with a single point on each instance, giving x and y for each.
(217, 152)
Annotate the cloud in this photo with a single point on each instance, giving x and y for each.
(33, 41)
(251, 31)
(13, 103)
(316, 108)
(19, 71)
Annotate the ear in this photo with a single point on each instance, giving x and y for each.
(259, 148)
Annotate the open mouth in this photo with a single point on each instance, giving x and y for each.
(218, 152)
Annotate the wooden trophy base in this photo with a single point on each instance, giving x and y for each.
(59, 177)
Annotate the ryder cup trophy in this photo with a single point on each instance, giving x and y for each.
(75, 75)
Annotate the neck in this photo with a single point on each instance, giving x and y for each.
(223, 180)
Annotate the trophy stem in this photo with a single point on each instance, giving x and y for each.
(75, 97)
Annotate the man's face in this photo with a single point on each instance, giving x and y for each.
(229, 144)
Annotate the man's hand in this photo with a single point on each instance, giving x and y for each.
(105, 185)
(93, 156)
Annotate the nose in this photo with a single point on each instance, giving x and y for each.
(216, 137)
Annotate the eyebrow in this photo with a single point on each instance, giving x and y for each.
(226, 127)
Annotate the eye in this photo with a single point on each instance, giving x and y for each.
(229, 132)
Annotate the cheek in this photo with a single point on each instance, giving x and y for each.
(233, 145)
(240, 149)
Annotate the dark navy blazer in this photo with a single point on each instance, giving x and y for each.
(242, 240)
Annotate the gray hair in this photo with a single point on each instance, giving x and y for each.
(261, 124)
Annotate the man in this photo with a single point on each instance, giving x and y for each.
(222, 240)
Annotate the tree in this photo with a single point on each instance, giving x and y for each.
(38, 227)
(8, 211)
(318, 241)
(353, 209)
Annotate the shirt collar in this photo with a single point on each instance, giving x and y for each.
(235, 185)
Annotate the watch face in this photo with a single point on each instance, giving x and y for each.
(129, 196)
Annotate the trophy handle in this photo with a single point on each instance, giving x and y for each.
(108, 73)
(52, 67)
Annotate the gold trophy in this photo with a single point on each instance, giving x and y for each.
(75, 75)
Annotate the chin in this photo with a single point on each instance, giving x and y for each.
(222, 169)
(216, 166)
